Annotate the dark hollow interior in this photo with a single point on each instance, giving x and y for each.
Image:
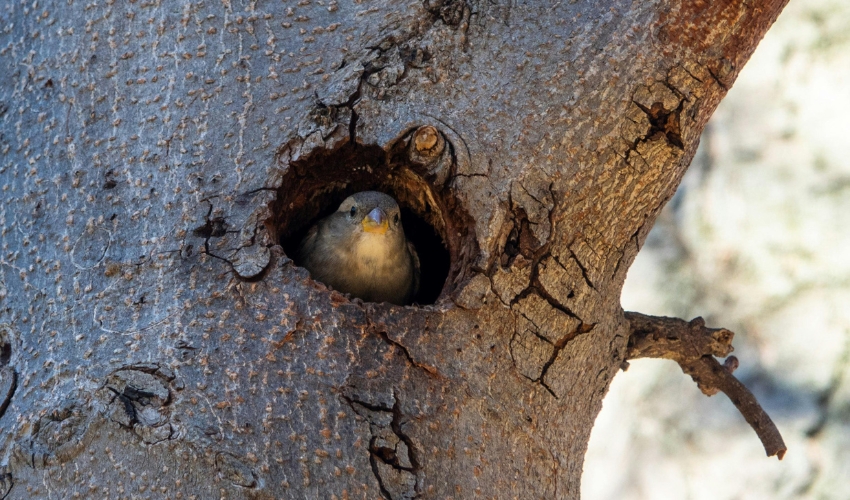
(5, 352)
(314, 187)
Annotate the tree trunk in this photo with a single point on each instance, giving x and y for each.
(159, 161)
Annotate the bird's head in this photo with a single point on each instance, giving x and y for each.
(370, 213)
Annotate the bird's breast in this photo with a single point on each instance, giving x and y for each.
(373, 251)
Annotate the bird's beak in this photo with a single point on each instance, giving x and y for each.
(375, 222)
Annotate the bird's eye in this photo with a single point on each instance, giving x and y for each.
(353, 211)
(395, 219)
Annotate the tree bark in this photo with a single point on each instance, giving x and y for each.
(157, 160)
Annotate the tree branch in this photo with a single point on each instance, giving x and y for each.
(694, 346)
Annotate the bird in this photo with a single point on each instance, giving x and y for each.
(361, 249)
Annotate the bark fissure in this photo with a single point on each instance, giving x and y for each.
(584, 272)
(663, 122)
(373, 461)
(8, 375)
(388, 453)
(557, 348)
(127, 404)
(537, 288)
(536, 330)
(717, 79)
(540, 290)
(8, 386)
(384, 335)
(412, 452)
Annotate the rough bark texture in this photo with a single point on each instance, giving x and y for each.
(157, 159)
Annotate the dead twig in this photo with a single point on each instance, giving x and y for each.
(694, 346)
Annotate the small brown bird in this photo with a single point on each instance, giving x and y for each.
(361, 249)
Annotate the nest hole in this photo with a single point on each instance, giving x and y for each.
(314, 185)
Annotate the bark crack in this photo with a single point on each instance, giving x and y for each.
(663, 121)
(690, 74)
(536, 330)
(217, 227)
(538, 288)
(584, 272)
(716, 79)
(693, 347)
(430, 370)
(412, 457)
(389, 447)
(556, 351)
(374, 463)
(8, 386)
(8, 375)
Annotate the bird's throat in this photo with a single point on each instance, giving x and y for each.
(375, 251)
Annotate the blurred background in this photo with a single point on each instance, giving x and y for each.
(757, 240)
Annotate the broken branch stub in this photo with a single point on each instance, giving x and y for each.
(693, 346)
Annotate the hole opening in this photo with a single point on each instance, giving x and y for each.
(313, 186)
